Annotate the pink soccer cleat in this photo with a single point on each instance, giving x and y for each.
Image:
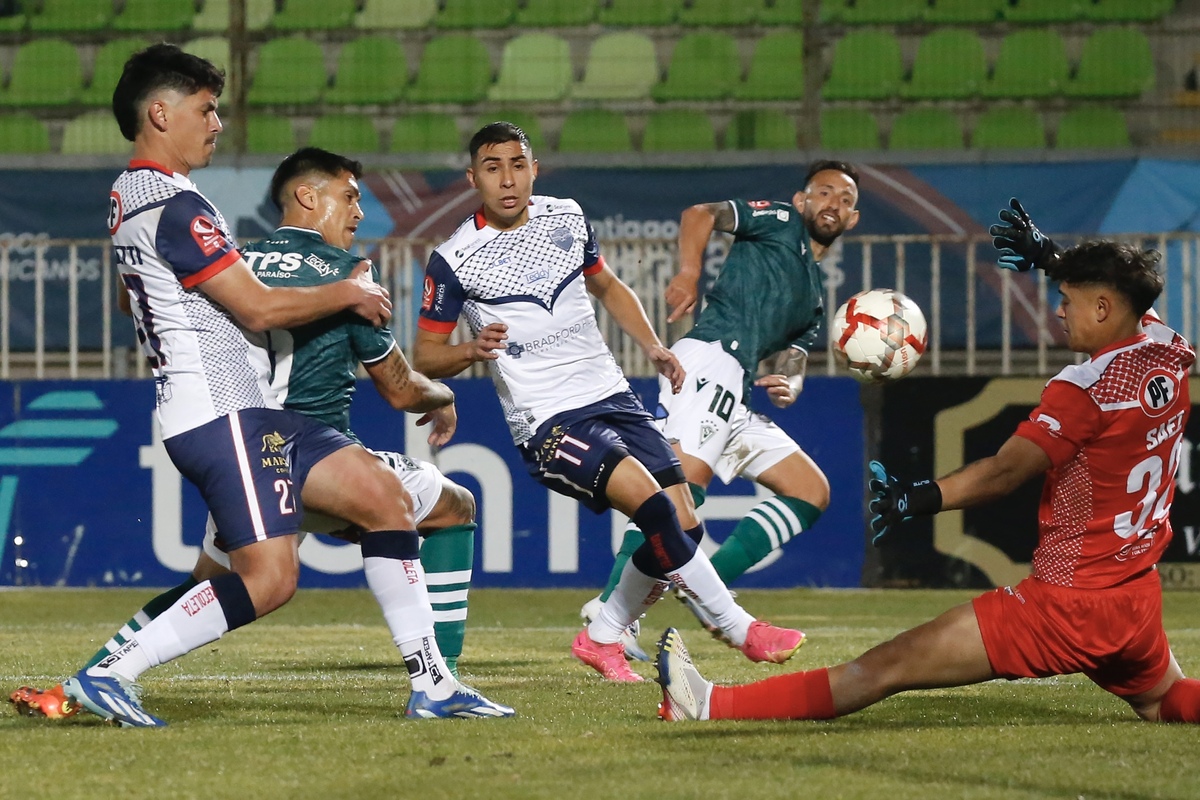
(607, 659)
(765, 642)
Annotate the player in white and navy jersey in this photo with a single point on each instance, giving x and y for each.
(520, 271)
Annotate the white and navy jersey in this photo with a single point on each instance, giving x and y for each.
(167, 240)
(531, 279)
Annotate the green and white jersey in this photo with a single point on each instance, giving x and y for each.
(313, 366)
(768, 294)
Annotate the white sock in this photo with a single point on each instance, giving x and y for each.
(698, 578)
(634, 593)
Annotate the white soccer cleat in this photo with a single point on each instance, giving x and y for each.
(629, 636)
(685, 691)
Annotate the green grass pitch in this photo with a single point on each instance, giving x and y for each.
(308, 703)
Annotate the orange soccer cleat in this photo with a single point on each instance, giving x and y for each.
(51, 704)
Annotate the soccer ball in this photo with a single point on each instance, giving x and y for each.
(879, 335)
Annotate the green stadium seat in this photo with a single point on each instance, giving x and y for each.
(290, 71)
(678, 130)
(595, 130)
(23, 134)
(1009, 127)
(881, 12)
(425, 133)
(620, 66)
(396, 14)
(348, 134)
(781, 12)
(110, 62)
(926, 129)
(455, 68)
(154, 15)
(12, 18)
(761, 129)
(704, 66)
(777, 69)
(314, 15)
(45, 72)
(964, 12)
(949, 66)
(1115, 62)
(639, 13)
(1032, 63)
(62, 16)
(866, 66)
(534, 67)
(849, 129)
(1041, 12)
(94, 133)
(1127, 10)
(717, 13)
(1086, 127)
(214, 48)
(556, 13)
(214, 16)
(476, 14)
(371, 70)
(522, 119)
(270, 134)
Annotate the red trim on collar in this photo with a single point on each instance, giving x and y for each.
(144, 164)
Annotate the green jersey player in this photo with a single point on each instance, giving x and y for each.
(764, 311)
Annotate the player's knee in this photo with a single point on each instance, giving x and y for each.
(271, 586)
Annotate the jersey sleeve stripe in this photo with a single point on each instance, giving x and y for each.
(220, 264)
(386, 353)
(596, 268)
(433, 326)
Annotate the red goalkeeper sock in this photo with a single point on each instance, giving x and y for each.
(798, 695)
(1181, 703)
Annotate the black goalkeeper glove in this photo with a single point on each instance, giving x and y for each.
(894, 502)
(1022, 246)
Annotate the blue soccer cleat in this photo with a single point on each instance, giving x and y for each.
(112, 699)
(465, 702)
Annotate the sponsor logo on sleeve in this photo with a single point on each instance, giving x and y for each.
(207, 236)
(1052, 426)
(427, 294)
(759, 203)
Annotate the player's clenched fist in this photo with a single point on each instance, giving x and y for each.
(894, 501)
(491, 338)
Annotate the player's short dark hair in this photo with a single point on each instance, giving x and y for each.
(307, 161)
(821, 165)
(1129, 269)
(158, 67)
(497, 133)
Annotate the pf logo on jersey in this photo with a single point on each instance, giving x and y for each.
(115, 212)
(207, 236)
(1158, 391)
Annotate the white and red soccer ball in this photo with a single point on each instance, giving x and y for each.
(879, 335)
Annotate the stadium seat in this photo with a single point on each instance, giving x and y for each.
(964, 12)
(94, 133)
(781, 12)
(866, 66)
(1127, 10)
(109, 63)
(270, 134)
(620, 66)
(214, 48)
(425, 133)
(290, 71)
(926, 129)
(61, 16)
(639, 13)
(534, 67)
(556, 13)
(717, 13)
(522, 119)
(396, 14)
(309, 15)
(23, 134)
(455, 68)
(1041, 12)
(45, 72)
(1032, 63)
(849, 129)
(762, 129)
(704, 66)
(1115, 62)
(349, 134)
(1085, 127)
(12, 18)
(777, 69)
(1009, 127)
(678, 130)
(881, 12)
(595, 130)
(154, 15)
(371, 69)
(476, 14)
(214, 16)
(949, 66)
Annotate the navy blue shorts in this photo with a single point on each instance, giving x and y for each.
(575, 452)
(250, 467)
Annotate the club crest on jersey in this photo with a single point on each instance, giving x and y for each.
(273, 442)
(707, 431)
(207, 236)
(1158, 391)
(562, 237)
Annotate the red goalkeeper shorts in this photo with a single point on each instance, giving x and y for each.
(1114, 636)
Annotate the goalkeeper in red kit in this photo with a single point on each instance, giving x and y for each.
(1107, 434)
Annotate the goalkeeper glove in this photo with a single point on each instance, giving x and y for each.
(1022, 246)
(895, 502)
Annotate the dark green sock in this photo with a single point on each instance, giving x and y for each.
(633, 540)
(152, 609)
(448, 555)
(770, 525)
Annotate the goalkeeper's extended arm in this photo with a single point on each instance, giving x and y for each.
(1022, 246)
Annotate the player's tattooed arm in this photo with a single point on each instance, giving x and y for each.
(695, 227)
(785, 375)
(404, 389)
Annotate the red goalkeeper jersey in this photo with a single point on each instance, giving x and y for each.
(1113, 429)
